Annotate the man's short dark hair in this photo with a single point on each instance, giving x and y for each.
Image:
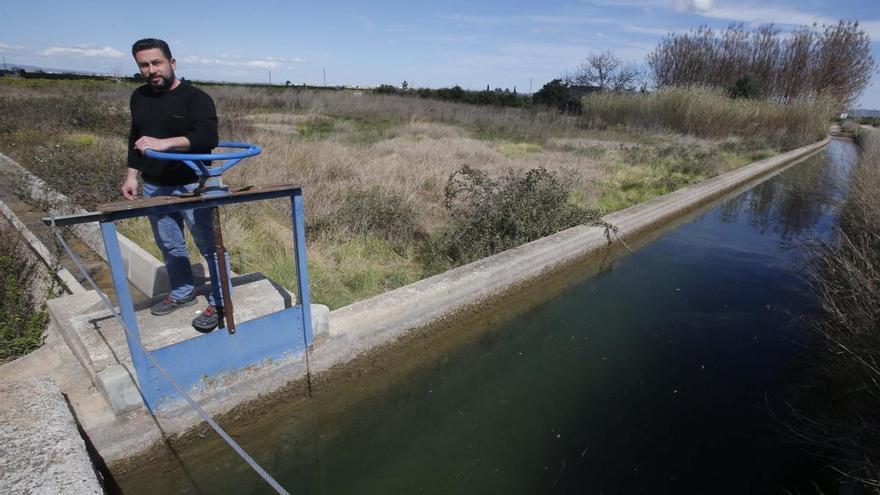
(150, 43)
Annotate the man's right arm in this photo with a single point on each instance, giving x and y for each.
(130, 184)
(135, 159)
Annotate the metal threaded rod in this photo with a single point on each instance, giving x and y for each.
(220, 254)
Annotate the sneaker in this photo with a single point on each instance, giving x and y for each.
(208, 319)
(169, 305)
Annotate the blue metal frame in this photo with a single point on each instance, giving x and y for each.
(286, 332)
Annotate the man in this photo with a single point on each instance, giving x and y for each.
(171, 115)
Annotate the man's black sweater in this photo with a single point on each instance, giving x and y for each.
(184, 111)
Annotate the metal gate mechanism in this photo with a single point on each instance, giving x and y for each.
(244, 343)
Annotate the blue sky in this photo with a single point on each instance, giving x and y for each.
(499, 43)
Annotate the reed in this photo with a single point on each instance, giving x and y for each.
(843, 420)
(710, 113)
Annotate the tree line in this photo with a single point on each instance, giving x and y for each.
(831, 61)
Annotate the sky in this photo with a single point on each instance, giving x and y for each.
(502, 44)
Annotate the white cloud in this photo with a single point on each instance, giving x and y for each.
(263, 64)
(5, 48)
(267, 63)
(83, 50)
(694, 5)
(756, 14)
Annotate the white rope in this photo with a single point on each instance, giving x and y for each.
(232, 443)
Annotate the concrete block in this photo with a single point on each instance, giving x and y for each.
(125, 254)
(320, 320)
(118, 387)
(142, 273)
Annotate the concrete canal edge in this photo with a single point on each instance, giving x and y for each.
(366, 325)
(40, 445)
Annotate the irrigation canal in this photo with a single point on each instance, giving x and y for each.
(667, 372)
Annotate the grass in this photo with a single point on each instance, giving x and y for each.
(23, 316)
(375, 169)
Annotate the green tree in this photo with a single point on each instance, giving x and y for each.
(553, 94)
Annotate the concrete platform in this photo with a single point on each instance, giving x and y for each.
(99, 342)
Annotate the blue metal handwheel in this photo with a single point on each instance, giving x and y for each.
(210, 176)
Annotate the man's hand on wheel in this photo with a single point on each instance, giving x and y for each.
(150, 143)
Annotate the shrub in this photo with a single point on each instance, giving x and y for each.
(745, 87)
(491, 215)
(554, 94)
(22, 318)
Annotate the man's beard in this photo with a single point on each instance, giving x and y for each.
(162, 85)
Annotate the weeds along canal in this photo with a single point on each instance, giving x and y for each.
(668, 372)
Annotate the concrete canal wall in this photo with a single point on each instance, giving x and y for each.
(363, 326)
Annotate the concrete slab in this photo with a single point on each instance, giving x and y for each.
(41, 450)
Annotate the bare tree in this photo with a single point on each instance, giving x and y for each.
(793, 71)
(843, 65)
(605, 71)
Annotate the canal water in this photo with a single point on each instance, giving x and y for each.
(668, 372)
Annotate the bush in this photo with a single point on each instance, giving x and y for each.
(492, 215)
(745, 87)
(554, 94)
(22, 318)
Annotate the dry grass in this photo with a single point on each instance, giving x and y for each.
(844, 422)
(337, 144)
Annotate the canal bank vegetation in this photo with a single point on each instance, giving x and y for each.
(23, 316)
(844, 419)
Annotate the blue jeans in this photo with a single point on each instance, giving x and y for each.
(168, 231)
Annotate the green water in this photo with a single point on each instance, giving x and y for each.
(666, 373)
